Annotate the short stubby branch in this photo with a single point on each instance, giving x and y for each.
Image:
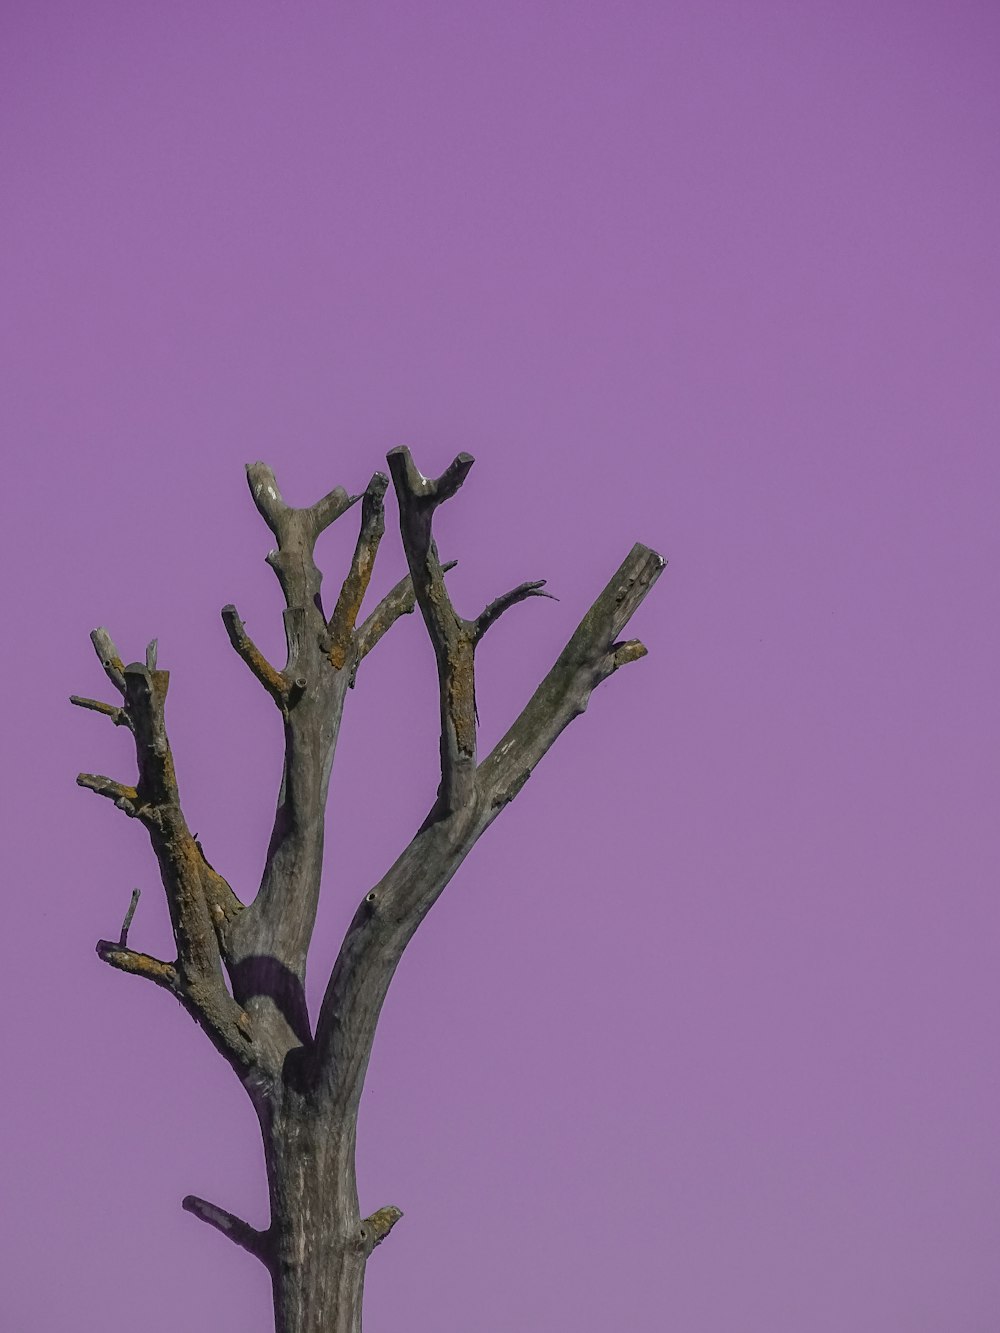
(270, 677)
(119, 716)
(621, 654)
(125, 798)
(374, 1229)
(239, 1232)
(139, 964)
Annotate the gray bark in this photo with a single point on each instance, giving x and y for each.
(240, 969)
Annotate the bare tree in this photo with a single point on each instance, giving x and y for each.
(240, 968)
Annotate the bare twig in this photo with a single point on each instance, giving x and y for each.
(123, 937)
(117, 715)
(496, 608)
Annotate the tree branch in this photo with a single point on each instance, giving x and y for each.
(123, 797)
(345, 614)
(296, 531)
(200, 902)
(272, 679)
(139, 965)
(109, 657)
(398, 601)
(375, 1228)
(591, 655)
(268, 944)
(258, 1243)
(117, 715)
(496, 608)
(388, 916)
(452, 638)
(130, 913)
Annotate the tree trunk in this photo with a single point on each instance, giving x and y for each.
(318, 1246)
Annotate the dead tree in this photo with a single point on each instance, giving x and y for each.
(240, 967)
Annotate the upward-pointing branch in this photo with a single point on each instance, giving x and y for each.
(202, 906)
(390, 913)
(272, 938)
(352, 594)
(451, 637)
(592, 654)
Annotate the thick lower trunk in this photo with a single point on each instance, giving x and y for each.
(318, 1246)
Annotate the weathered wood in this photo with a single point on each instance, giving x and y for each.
(305, 1088)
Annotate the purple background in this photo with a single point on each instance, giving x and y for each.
(704, 1035)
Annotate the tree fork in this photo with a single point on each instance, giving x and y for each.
(239, 969)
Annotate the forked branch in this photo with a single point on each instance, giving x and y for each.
(451, 637)
(268, 946)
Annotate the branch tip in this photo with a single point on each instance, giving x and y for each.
(109, 657)
(437, 489)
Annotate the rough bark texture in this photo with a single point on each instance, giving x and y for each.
(240, 969)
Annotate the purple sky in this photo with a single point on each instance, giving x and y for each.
(703, 1038)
